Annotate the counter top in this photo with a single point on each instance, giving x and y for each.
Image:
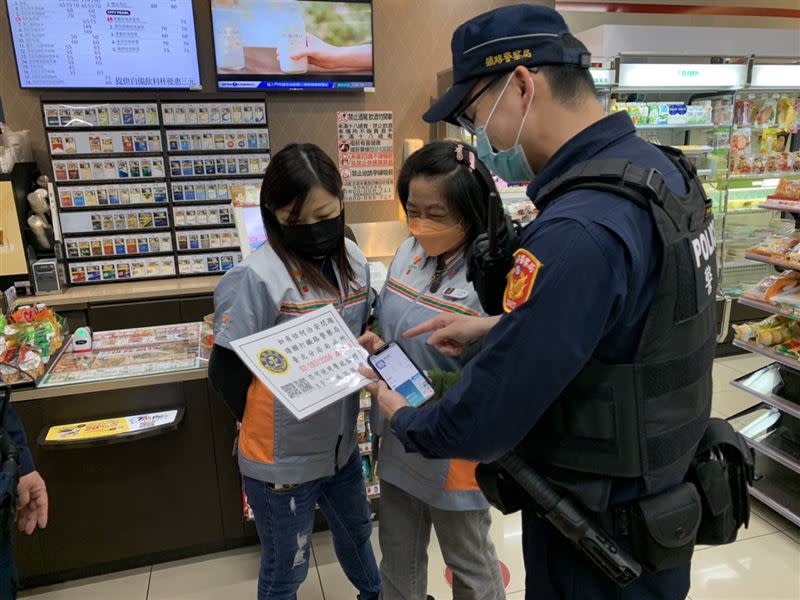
(130, 290)
(110, 385)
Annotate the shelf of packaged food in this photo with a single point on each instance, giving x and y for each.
(695, 150)
(768, 353)
(777, 507)
(790, 312)
(768, 260)
(742, 211)
(788, 206)
(676, 126)
(760, 176)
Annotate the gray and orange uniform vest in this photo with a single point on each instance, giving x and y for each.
(273, 445)
(406, 301)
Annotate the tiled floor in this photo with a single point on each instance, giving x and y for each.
(764, 564)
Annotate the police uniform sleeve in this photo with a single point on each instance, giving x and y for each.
(16, 431)
(531, 355)
(242, 307)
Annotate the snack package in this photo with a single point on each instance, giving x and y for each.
(768, 139)
(764, 112)
(790, 348)
(773, 163)
(771, 331)
(741, 112)
(778, 246)
(772, 285)
(740, 141)
(786, 113)
(788, 189)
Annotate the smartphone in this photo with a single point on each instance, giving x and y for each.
(394, 366)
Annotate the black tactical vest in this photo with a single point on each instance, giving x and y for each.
(645, 419)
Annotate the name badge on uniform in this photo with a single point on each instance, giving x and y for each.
(452, 293)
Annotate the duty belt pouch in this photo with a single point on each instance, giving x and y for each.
(500, 489)
(663, 528)
(722, 469)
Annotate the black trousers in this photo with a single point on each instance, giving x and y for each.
(556, 570)
(8, 574)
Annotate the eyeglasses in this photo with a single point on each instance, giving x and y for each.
(461, 117)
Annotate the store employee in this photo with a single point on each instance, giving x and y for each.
(591, 290)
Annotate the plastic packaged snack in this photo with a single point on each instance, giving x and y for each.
(773, 285)
(771, 331)
(740, 142)
(764, 112)
(788, 189)
(777, 245)
(768, 140)
(786, 114)
(790, 348)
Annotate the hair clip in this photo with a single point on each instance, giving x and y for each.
(468, 162)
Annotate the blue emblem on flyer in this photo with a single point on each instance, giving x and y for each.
(273, 361)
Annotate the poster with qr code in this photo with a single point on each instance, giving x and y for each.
(308, 363)
(366, 155)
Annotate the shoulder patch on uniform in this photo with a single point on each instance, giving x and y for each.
(520, 280)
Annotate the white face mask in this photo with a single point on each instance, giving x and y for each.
(510, 165)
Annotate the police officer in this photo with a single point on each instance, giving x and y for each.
(28, 496)
(601, 281)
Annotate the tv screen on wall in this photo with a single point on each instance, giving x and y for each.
(282, 45)
(94, 44)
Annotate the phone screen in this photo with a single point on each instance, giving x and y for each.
(401, 375)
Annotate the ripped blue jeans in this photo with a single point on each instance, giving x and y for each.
(285, 520)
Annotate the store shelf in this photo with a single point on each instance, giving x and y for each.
(145, 205)
(790, 312)
(78, 259)
(696, 152)
(742, 211)
(787, 208)
(677, 126)
(760, 176)
(778, 508)
(768, 353)
(772, 261)
(788, 461)
(704, 172)
(781, 404)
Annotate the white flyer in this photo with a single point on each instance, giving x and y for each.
(308, 363)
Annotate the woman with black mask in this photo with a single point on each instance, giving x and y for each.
(290, 467)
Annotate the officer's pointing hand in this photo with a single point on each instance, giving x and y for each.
(452, 332)
(388, 401)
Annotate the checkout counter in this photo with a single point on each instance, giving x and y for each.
(151, 495)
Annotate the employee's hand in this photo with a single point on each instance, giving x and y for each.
(452, 332)
(388, 401)
(31, 503)
(326, 56)
(371, 342)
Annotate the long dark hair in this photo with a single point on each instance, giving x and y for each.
(464, 181)
(291, 174)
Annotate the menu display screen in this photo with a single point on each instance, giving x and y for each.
(285, 45)
(105, 43)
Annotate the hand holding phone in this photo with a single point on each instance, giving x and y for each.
(396, 368)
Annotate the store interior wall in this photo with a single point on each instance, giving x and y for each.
(412, 44)
(583, 20)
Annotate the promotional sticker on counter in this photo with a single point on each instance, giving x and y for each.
(366, 155)
(105, 428)
(308, 363)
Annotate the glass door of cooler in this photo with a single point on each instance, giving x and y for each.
(765, 147)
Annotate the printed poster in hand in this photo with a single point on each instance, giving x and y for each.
(308, 363)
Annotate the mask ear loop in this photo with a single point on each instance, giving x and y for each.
(527, 110)
(496, 102)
